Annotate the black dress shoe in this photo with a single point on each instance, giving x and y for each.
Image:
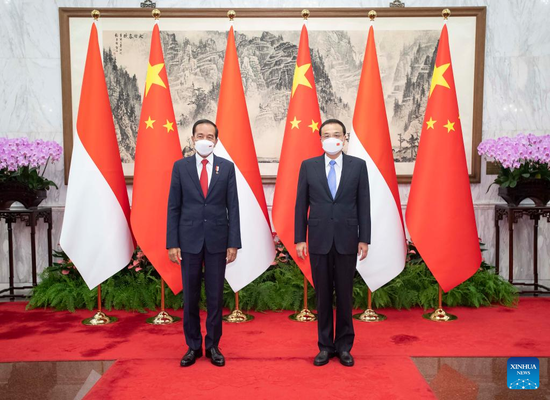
(190, 357)
(216, 357)
(346, 359)
(322, 358)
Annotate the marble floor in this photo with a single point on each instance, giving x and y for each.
(62, 380)
(481, 378)
(458, 378)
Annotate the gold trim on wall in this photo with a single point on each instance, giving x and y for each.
(480, 14)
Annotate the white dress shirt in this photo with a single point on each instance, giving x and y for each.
(210, 160)
(337, 167)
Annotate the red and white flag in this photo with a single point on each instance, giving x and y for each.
(370, 140)
(237, 145)
(96, 231)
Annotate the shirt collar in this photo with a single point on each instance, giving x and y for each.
(210, 159)
(337, 159)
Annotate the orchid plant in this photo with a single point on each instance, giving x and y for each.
(26, 161)
(523, 157)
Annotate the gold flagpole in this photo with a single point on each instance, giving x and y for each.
(369, 315)
(305, 315)
(439, 315)
(162, 318)
(99, 318)
(237, 316)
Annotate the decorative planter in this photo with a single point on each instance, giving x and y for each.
(537, 190)
(10, 192)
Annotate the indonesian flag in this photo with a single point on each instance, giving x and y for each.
(370, 140)
(96, 231)
(236, 144)
(301, 141)
(157, 149)
(440, 213)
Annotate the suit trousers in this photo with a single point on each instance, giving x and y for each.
(214, 278)
(334, 272)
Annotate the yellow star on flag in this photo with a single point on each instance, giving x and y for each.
(149, 123)
(153, 77)
(300, 77)
(431, 123)
(438, 79)
(450, 126)
(314, 126)
(295, 123)
(168, 126)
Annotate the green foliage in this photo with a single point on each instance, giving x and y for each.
(29, 176)
(137, 288)
(416, 286)
(281, 287)
(510, 177)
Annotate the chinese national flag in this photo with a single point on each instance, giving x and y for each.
(301, 141)
(440, 213)
(157, 148)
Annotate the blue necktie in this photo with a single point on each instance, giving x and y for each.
(332, 179)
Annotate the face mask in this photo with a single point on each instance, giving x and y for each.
(204, 147)
(332, 145)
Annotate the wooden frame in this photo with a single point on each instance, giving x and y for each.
(479, 13)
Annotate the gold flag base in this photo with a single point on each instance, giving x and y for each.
(99, 319)
(370, 316)
(162, 318)
(237, 317)
(439, 315)
(303, 316)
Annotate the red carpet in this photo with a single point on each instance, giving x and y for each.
(272, 356)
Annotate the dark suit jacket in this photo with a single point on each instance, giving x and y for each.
(194, 221)
(344, 220)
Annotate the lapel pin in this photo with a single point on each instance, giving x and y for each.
(217, 169)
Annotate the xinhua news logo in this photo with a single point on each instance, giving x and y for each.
(523, 373)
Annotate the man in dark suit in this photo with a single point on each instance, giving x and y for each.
(203, 228)
(334, 188)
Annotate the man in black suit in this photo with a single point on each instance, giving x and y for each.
(334, 188)
(203, 228)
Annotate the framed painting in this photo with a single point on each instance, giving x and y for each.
(194, 43)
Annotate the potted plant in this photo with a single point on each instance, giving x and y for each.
(22, 167)
(523, 167)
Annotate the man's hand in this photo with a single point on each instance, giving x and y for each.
(175, 255)
(231, 254)
(301, 249)
(362, 250)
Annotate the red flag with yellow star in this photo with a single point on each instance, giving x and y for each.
(301, 141)
(157, 148)
(440, 213)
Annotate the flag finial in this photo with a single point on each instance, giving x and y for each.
(95, 15)
(231, 14)
(372, 15)
(446, 13)
(305, 14)
(156, 14)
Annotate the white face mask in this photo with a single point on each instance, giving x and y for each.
(332, 145)
(204, 147)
